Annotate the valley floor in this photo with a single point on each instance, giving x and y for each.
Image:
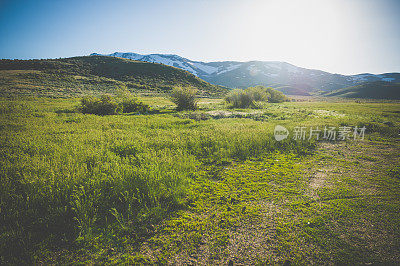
(198, 188)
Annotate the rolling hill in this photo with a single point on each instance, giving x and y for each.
(94, 74)
(233, 74)
(371, 90)
(289, 90)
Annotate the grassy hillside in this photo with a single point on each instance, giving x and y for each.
(93, 74)
(289, 90)
(371, 90)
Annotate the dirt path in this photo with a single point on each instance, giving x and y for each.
(340, 205)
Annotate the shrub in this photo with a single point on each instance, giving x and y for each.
(238, 99)
(184, 98)
(107, 105)
(258, 94)
(275, 96)
(254, 97)
(133, 105)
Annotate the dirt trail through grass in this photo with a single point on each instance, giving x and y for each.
(339, 205)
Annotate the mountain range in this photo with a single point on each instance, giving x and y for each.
(283, 76)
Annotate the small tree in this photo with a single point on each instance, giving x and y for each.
(184, 98)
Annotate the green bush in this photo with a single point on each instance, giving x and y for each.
(238, 99)
(184, 98)
(107, 105)
(275, 96)
(258, 94)
(254, 97)
(133, 105)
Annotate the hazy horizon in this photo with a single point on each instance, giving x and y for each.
(337, 36)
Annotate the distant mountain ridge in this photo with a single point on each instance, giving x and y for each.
(369, 90)
(281, 75)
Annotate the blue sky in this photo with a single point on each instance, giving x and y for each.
(339, 36)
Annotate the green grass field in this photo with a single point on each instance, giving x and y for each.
(203, 187)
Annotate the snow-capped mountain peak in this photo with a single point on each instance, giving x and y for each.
(268, 73)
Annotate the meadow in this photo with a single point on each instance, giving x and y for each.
(197, 187)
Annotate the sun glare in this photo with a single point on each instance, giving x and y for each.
(296, 31)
